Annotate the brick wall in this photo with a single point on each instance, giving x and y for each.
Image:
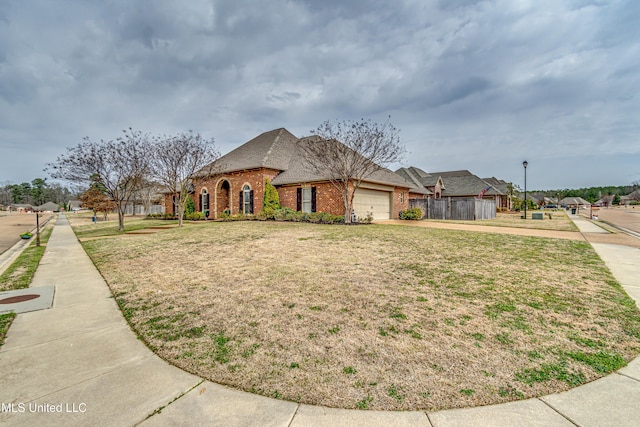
(221, 197)
(400, 201)
(328, 198)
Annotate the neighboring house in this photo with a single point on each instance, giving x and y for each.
(22, 208)
(458, 185)
(630, 198)
(235, 182)
(149, 199)
(75, 205)
(47, 207)
(538, 199)
(574, 202)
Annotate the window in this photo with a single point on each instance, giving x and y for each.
(204, 202)
(247, 197)
(306, 199)
(402, 197)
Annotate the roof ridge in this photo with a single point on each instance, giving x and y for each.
(275, 141)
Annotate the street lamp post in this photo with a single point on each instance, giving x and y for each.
(525, 164)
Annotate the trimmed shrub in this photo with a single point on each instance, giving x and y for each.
(162, 216)
(189, 207)
(411, 214)
(195, 216)
(271, 199)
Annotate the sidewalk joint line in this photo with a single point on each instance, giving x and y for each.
(566, 417)
(628, 376)
(293, 417)
(429, 419)
(161, 408)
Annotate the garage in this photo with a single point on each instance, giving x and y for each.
(378, 202)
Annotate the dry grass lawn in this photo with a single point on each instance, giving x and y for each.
(372, 317)
(553, 220)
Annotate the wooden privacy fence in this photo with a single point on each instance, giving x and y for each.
(461, 209)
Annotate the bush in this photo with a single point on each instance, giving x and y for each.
(411, 214)
(284, 214)
(367, 219)
(271, 199)
(190, 206)
(162, 216)
(267, 213)
(194, 216)
(237, 217)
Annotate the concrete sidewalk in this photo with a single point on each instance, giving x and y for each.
(79, 363)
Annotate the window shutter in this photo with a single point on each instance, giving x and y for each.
(298, 199)
(241, 203)
(201, 204)
(251, 201)
(313, 199)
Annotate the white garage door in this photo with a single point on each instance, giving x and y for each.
(375, 201)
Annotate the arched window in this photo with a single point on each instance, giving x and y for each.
(246, 200)
(204, 202)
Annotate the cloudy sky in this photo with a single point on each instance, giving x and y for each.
(478, 85)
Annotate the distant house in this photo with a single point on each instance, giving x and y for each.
(20, 207)
(630, 198)
(540, 199)
(75, 205)
(574, 202)
(237, 186)
(149, 199)
(47, 207)
(458, 185)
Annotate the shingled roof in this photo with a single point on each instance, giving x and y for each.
(464, 183)
(280, 150)
(418, 177)
(299, 170)
(455, 183)
(272, 150)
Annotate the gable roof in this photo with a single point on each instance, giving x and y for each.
(574, 201)
(49, 206)
(455, 183)
(299, 170)
(270, 150)
(467, 185)
(412, 175)
(280, 150)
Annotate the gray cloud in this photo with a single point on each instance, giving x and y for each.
(476, 85)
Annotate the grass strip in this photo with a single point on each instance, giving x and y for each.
(21, 271)
(5, 322)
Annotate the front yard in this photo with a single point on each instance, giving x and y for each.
(553, 219)
(372, 317)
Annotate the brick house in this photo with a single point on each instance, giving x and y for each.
(237, 182)
(460, 184)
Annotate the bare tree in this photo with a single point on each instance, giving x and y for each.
(119, 166)
(176, 159)
(348, 152)
(147, 191)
